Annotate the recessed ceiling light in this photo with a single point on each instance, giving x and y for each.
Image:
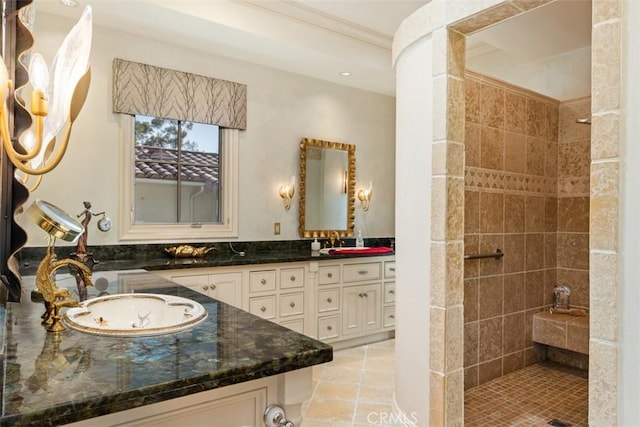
(345, 73)
(70, 3)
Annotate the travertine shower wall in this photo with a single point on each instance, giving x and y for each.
(574, 159)
(526, 192)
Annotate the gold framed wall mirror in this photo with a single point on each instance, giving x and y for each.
(327, 188)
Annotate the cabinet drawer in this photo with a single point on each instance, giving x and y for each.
(328, 300)
(389, 316)
(389, 292)
(329, 274)
(291, 278)
(361, 272)
(262, 281)
(264, 307)
(328, 327)
(389, 269)
(296, 325)
(291, 304)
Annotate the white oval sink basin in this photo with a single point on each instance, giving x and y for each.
(325, 251)
(129, 315)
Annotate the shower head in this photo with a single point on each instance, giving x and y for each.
(584, 121)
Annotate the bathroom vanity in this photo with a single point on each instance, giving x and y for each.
(271, 317)
(224, 370)
(344, 301)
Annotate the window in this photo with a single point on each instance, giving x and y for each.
(179, 181)
(177, 171)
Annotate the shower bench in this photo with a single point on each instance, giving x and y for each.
(562, 330)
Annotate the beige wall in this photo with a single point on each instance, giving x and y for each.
(282, 108)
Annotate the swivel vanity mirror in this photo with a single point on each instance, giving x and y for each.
(53, 220)
(327, 188)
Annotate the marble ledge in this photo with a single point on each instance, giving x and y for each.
(54, 379)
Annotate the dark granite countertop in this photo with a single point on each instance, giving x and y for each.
(232, 259)
(52, 379)
(154, 257)
(168, 263)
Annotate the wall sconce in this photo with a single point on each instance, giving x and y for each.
(56, 101)
(287, 191)
(364, 195)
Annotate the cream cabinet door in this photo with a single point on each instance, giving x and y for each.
(371, 306)
(362, 308)
(238, 405)
(351, 310)
(226, 287)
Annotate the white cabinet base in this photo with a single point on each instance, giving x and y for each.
(239, 405)
(355, 300)
(362, 340)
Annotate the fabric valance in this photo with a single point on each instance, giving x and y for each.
(160, 92)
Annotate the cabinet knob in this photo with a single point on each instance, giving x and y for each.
(329, 275)
(362, 272)
(329, 300)
(213, 287)
(392, 291)
(392, 269)
(205, 287)
(366, 295)
(392, 316)
(329, 327)
(361, 295)
(292, 304)
(263, 309)
(292, 278)
(263, 281)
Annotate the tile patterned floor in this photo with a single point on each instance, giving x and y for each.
(353, 390)
(529, 397)
(356, 390)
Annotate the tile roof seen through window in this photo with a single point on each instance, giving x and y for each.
(162, 163)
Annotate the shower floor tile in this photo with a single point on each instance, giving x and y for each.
(532, 396)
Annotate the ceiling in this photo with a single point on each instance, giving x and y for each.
(322, 38)
(547, 50)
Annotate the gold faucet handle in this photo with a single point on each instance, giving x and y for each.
(335, 237)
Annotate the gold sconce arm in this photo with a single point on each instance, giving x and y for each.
(50, 159)
(39, 109)
(41, 148)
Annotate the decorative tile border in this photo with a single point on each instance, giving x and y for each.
(487, 179)
(574, 187)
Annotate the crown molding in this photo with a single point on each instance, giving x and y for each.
(319, 20)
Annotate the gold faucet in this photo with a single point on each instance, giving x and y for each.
(334, 237)
(54, 297)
